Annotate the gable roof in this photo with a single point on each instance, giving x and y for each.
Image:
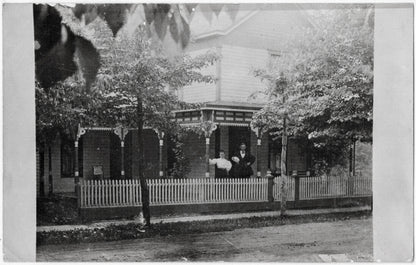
(221, 25)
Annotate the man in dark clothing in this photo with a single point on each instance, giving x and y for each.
(242, 162)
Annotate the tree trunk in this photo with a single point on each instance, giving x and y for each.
(142, 179)
(283, 160)
(283, 170)
(351, 168)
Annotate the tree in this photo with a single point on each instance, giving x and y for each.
(139, 79)
(328, 83)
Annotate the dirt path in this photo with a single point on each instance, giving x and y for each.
(336, 241)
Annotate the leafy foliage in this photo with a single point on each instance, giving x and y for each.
(59, 38)
(56, 47)
(326, 79)
(61, 108)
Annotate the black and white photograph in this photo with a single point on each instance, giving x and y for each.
(213, 132)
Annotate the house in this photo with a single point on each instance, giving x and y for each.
(248, 41)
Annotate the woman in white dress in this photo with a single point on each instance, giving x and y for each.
(222, 164)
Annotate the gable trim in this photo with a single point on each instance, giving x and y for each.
(227, 31)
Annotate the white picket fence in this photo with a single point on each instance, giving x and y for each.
(119, 193)
(122, 193)
(318, 188)
(109, 193)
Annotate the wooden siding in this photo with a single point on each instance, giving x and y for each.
(237, 80)
(268, 29)
(264, 30)
(200, 92)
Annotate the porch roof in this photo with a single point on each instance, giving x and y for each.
(226, 105)
(228, 113)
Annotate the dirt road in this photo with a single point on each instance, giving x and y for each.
(330, 241)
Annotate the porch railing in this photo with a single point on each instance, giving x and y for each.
(123, 193)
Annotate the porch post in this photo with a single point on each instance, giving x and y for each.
(76, 162)
(259, 132)
(207, 157)
(121, 133)
(208, 126)
(160, 136)
(122, 173)
(80, 132)
(258, 160)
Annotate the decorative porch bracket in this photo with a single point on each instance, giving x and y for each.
(121, 133)
(259, 133)
(160, 136)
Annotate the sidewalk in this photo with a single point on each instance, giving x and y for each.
(104, 224)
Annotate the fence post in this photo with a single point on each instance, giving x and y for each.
(297, 189)
(270, 184)
(78, 194)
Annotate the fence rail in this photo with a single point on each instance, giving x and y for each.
(123, 193)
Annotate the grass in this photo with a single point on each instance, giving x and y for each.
(129, 231)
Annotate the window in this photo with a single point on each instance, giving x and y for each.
(67, 158)
(273, 57)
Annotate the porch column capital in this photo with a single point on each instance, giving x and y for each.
(208, 127)
(121, 132)
(160, 133)
(257, 130)
(80, 132)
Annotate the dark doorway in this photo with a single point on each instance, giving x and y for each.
(238, 135)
